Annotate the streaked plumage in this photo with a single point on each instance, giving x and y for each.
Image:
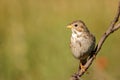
(82, 41)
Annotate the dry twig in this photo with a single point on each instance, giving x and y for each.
(113, 27)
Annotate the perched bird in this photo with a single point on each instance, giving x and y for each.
(82, 42)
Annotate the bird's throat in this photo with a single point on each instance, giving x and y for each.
(76, 33)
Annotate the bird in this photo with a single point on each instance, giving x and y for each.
(82, 42)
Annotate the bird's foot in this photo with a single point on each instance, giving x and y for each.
(82, 68)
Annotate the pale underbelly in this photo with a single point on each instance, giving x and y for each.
(81, 49)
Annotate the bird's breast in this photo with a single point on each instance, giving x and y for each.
(80, 46)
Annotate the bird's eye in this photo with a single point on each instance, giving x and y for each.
(75, 25)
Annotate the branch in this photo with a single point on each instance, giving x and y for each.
(109, 31)
(116, 27)
(113, 27)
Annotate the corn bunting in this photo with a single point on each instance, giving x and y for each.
(82, 42)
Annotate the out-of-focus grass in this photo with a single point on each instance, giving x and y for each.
(34, 42)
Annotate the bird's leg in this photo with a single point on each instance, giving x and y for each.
(79, 69)
(82, 67)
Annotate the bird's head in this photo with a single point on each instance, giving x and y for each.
(78, 27)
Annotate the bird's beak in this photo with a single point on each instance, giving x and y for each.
(69, 26)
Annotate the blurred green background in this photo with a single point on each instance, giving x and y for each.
(34, 41)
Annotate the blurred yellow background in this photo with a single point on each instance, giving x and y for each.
(34, 41)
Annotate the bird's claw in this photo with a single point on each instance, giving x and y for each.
(82, 68)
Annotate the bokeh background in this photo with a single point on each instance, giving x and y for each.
(34, 41)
